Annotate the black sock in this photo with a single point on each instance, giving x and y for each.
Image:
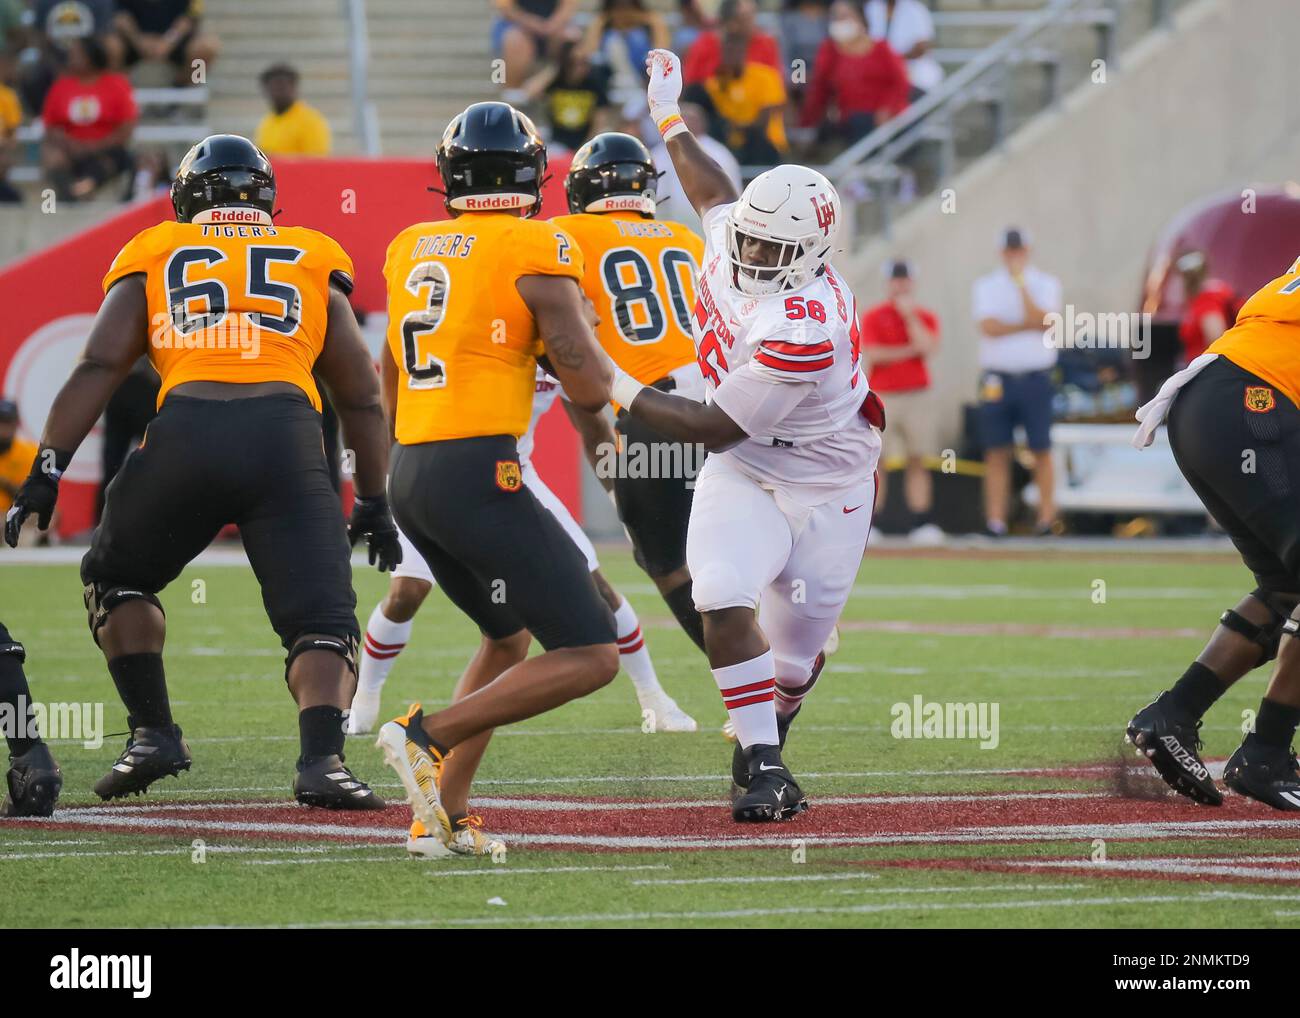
(682, 603)
(1276, 723)
(13, 686)
(1198, 689)
(320, 730)
(142, 686)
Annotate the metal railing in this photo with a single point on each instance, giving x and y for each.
(364, 117)
(870, 165)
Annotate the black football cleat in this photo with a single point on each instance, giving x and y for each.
(150, 754)
(33, 784)
(326, 783)
(739, 768)
(1265, 773)
(772, 793)
(1171, 741)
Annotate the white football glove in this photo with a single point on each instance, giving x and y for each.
(663, 91)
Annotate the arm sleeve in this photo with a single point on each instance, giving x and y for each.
(714, 218)
(136, 256)
(335, 263)
(545, 249)
(794, 355)
(756, 400)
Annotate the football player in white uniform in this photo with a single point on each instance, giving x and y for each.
(783, 505)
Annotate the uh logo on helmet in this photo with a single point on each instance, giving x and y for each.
(795, 211)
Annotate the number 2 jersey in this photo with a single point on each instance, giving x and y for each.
(235, 303)
(640, 275)
(785, 368)
(464, 340)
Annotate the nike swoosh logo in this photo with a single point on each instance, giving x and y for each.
(847, 510)
(765, 767)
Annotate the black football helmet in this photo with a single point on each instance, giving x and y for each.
(223, 171)
(491, 157)
(612, 172)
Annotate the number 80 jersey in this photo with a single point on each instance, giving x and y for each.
(640, 275)
(235, 303)
(464, 340)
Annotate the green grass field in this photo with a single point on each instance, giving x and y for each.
(903, 832)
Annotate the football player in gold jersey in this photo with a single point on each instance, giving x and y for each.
(234, 312)
(474, 303)
(640, 276)
(1234, 428)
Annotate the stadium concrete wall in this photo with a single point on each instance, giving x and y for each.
(1203, 107)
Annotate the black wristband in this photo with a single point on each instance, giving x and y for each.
(373, 502)
(41, 465)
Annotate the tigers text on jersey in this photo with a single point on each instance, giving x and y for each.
(462, 336)
(227, 303)
(1266, 339)
(640, 275)
(785, 368)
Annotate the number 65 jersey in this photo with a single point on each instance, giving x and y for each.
(785, 368)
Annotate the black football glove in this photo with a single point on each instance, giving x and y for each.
(37, 495)
(372, 520)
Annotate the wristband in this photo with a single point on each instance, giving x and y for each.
(625, 388)
(43, 456)
(669, 120)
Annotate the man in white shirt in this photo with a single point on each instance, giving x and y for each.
(1010, 306)
(909, 29)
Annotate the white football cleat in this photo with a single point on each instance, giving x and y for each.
(419, 842)
(469, 838)
(364, 712)
(927, 535)
(666, 715)
(419, 766)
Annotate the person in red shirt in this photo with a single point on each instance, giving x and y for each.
(89, 115)
(1211, 306)
(897, 335)
(735, 17)
(863, 77)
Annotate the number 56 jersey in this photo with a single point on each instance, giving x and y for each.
(785, 368)
(464, 340)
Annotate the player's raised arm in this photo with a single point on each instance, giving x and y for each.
(575, 356)
(118, 338)
(349, 374)
(705, 182)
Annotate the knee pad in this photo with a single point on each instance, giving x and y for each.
(718, 585)
(344, 645)
(101, 598)
(1268, 635)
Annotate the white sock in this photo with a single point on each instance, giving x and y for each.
(748, 691)
(633, 654)
(383, 641)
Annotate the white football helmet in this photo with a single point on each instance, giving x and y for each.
(795, 208)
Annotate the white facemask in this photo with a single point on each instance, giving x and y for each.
(844, 30)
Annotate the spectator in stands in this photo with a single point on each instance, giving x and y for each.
(575, 93)
(747, 100)
(693, 17)
(292, 127)
(673, 203)
(11, 117)
(89, 115)
(1010, 306)
(12, 31)
(17, 454)
(55, 25)
(908, 27)
(1210, 306)
(525, 31)
(735, 18)
(803, 29)
(620, 36)
(897, 338)
(863, 78)
(168, 31)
